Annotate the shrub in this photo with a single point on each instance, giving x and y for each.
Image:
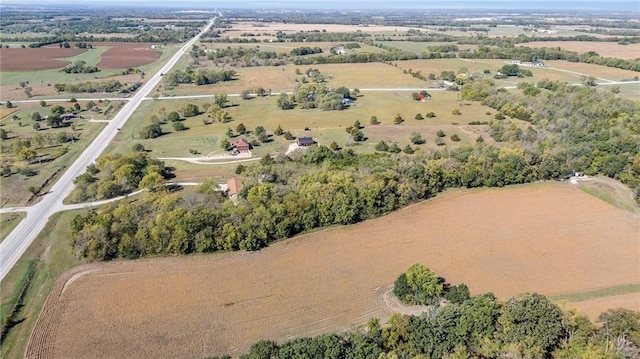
(382, 146)
(430, 114)
(456, 112)
(418, 286)
(455, 138)
(440, 133)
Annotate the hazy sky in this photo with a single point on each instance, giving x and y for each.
(613, 5)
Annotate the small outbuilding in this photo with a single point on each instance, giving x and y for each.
(305, 141)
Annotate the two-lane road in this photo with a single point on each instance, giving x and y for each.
(17, 242)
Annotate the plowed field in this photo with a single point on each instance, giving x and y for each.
(550, 238)
(123, 55)
(44, 58)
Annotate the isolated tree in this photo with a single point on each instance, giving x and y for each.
(589, 81)
(374, 120)
(179, 126)
(416, 138)
(173, 116)
(440, 133)
(419, 116)
(430, 114)
(615, 89)
(408, 149)
(382, 146)
(241, 129)
(8, 104)
(4, 134)
(455, 138)
(278, 131)
(35, 116)
(76, 107)
(43, 103)
(225, 144)
(398, 120)
(138, 147)
(221, 100)
(334, 146)
(189, 110)
(229, 132)
(418, 286)
(456, 112)
(36, 126)
(245, 94)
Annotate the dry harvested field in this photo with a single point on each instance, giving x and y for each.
(545, 237)
(605, 49)
(44, 58)
(123, 55)
(272, 27)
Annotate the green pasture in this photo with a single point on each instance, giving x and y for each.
(53, 158)
(8, 222)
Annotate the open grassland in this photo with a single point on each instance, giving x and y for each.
(547, 237)
(604, 49)
(42, 81)
(53, 157)
(9, 221)
(272, 28)
(52, 256)
(283, 78)
(286, 47)
(597, 71)
(327, 126)
(420, 47)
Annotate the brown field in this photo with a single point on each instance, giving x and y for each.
(18, 59)
(259, 28)
(545, 237)
(123, 55)
(605, 49)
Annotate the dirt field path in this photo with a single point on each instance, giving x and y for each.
(551, 238)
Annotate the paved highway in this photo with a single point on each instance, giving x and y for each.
(12, 248)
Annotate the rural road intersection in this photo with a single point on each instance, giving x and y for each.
(17, 242)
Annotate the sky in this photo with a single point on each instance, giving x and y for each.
(612, 5)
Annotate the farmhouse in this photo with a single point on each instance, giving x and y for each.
(241, 145)
(234, 186)
(305, 141)
(338, 50)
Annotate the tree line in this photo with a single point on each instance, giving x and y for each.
(527, 326)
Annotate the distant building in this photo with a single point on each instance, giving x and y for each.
(241, 145)
(305, 141)
(338, 50)
(234, 186)
(67, 116)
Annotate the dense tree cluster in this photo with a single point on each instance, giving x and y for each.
(90, 86)
(79, 67)
(527, 326)
(116, 175)
(419, 285)
(532, 54)
(199, 77)
(574, 128)
(305, 50)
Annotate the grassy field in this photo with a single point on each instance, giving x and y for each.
(53, 159)
(336, 279)
(610, 191)
(604, 49)
(420, 47)
(52, 255)
(282, 78)
(9, 221)
(327, 125)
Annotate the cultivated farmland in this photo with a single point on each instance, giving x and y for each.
(605, 49)
(128, 54)
(547, 237)
(18, 59)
